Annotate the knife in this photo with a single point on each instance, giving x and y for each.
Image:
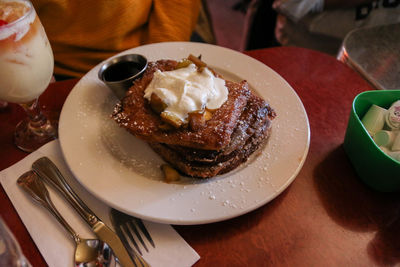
(48, 171)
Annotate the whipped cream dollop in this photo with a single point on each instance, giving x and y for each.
(187, 90)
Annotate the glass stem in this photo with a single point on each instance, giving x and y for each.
(37, 121)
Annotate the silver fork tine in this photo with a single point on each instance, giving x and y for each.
(128, 233)
(137, 260)
(144, 231)
(132, 227)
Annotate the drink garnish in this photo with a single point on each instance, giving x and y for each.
(3, 22)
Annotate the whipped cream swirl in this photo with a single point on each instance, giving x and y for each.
(186, 90)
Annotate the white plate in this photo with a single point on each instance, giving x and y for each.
(124, 172)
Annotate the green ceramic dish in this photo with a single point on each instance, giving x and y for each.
(374, 167)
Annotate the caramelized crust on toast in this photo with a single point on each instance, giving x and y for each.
(253, 128)
(135, 114)
(202, 170)
(256, 114)
(235, 131)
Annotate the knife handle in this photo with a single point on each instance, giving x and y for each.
(46, 169)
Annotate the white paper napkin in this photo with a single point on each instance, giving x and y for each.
(55, 244)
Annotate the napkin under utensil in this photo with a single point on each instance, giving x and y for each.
(55, 244)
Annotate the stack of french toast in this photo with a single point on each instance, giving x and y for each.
(211, 142)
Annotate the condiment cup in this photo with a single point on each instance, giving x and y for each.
(372, 164)
(120, 72)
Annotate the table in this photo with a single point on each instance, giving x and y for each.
(327, 216)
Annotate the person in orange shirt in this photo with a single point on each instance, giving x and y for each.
(84, 33)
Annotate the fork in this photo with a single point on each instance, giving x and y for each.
(127, 227)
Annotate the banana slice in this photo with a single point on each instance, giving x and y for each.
(170, 174)
(171, 119)
(156, 103)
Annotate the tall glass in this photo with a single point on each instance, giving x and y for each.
(10, 251)
(26, 68)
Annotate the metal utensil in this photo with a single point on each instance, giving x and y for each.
(47, 170)
(126, 226)
(88, 252)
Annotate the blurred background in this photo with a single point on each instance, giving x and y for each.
(239, 24)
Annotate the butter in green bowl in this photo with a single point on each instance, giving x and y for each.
(376, 168)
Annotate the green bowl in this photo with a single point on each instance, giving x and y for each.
(374, 167)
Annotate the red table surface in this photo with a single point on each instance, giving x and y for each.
(327, 216)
